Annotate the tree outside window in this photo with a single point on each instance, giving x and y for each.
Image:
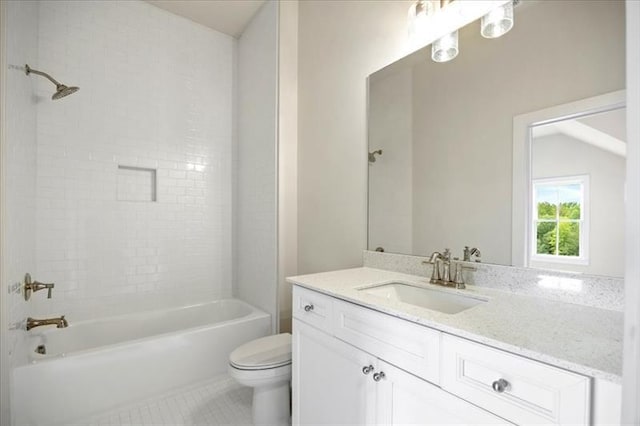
(559, 219)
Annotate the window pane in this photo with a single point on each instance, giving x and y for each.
(546, 210)
(569, 239)
(570, 210)
(546, 233)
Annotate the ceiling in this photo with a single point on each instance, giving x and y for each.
(227, 16)
(605, 130)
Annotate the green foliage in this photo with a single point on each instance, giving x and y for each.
(546, 210)
(569, 239)
(570, 210)
(546, 238)
(569, 233)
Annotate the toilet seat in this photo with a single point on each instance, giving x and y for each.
(266, 353)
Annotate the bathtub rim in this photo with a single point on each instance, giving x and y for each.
(38, 338)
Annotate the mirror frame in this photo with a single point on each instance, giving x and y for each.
(522, 137)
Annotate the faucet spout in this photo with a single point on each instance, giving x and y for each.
(60, 322)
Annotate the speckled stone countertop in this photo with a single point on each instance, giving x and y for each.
(582, 339)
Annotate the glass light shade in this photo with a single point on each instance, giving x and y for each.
(446, 48)
(417, 17)
(498, 22)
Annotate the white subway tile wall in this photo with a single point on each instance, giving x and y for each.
(155, 92)
(20, 174)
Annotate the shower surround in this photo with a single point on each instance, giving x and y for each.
(134, 172)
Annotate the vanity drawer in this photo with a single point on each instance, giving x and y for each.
(413, 347)
(534, 393)
(312, 307)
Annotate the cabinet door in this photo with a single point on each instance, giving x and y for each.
(329, 386)
(404, 399)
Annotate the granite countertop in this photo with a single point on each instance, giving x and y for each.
(581, 339)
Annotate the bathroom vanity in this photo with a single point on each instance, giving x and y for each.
(364, 355)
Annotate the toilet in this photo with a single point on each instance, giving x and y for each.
(265, 365)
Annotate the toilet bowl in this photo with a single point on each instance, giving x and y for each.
(265, 365)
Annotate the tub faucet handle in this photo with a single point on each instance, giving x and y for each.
(33, 286)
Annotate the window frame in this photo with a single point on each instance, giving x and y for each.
(583, 258)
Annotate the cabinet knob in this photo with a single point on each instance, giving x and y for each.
(367, 369)
(500, 385)
(308, 308)
(378, 376)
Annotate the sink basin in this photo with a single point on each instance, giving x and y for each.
(448, 303)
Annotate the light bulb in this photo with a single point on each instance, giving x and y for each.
(498, 22)
(445, 48)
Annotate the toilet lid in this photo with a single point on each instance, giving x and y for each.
(266, 352)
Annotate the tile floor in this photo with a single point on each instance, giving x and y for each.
(220, 401)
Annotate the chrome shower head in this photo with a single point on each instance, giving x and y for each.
(61, 89)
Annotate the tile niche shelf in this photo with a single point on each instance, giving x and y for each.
(136, 184)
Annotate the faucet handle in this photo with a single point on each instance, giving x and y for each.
(33, 286)
(446, 255)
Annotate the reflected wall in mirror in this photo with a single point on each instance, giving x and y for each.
(444, 178)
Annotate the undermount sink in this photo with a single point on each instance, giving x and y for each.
(448, 303)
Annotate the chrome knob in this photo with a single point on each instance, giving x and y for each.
(367, 369)
(308, 308)
(378, 376)
(500, 385)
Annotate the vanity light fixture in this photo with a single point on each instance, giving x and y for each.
(498, 22)
(445, 48)
(495, 22)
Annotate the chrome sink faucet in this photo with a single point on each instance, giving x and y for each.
(441, 272)
(60, 322)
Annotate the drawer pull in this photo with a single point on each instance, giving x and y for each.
(500, 385)
(378, 376)
(308, 308)
(367, 369)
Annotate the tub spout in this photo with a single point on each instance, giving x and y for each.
(60, 322)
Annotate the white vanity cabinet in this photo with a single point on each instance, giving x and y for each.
(335, 382)
(354, 365)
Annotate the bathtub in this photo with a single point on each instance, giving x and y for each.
(94, 366)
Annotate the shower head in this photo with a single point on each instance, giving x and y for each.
(372, 155)
(61, 89)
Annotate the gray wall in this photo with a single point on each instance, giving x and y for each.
(340, 44)
(558, 52)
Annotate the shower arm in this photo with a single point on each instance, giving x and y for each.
(28, 70)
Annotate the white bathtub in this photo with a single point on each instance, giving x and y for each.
(93, 366)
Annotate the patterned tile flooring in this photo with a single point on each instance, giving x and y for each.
(219, 401)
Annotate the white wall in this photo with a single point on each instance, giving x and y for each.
(19, 39)
(606, 173)
(340, 44)
(155, 92)
(256, 187)
(287, 156)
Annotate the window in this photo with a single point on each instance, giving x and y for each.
(559, 220)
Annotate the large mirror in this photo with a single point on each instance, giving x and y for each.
(446, 168)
